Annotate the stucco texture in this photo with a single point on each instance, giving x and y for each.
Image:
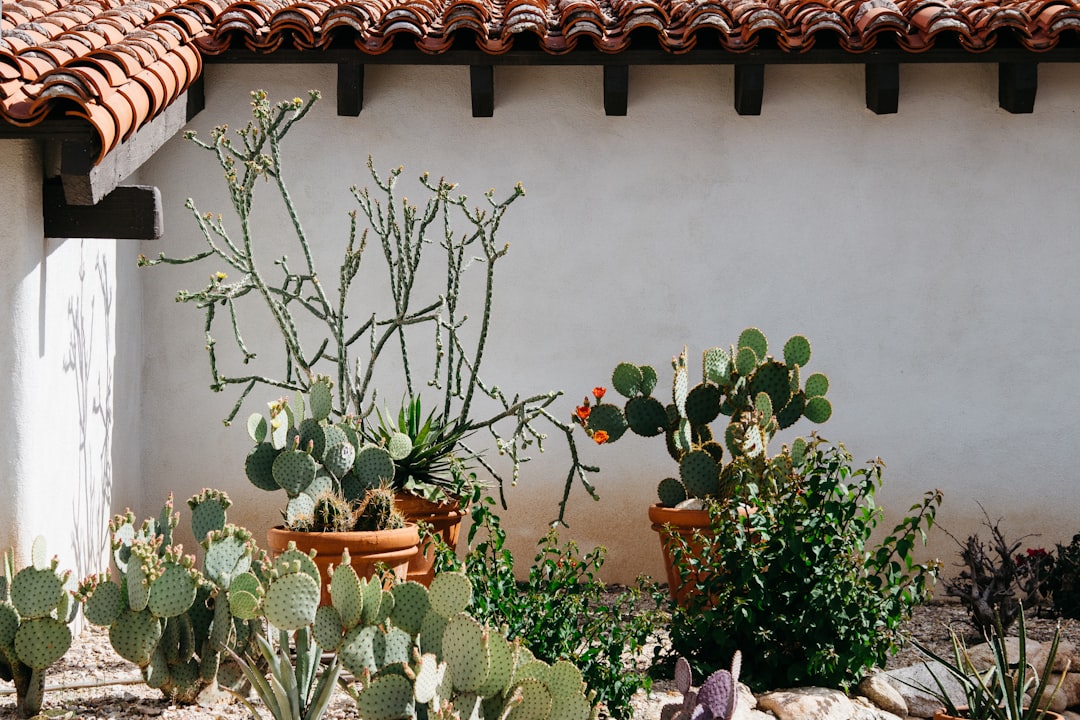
(928, 255)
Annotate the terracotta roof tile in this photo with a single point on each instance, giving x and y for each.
(117, 63)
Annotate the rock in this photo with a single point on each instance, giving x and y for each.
(1067, 653)
(982, 656)
(918, 688)
(1067, 696)
(880, 691)
(808, 703)
(1070, 715)
(866, 710)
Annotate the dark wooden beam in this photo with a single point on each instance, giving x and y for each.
(883, 87)
(482, 78)
(1018, 83)
(616, 89)
(87, 184)
(749, 88)
(350, 89)
(129, 212)
(196, 97)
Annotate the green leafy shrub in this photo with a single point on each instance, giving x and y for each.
(562, 611)
(1063, 582)
(795, 583)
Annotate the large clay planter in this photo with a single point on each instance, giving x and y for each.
(942, 715)
(669, 522)
(367, 549)
(445, 521)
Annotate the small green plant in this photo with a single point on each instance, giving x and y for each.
(759, 393)
(562, 610)
(163, 614)
(35, 610)
(796, 583)
(367, 346)
(1063, 582)
(1009, 689)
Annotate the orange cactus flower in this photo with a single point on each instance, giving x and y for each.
(583, 413)
(600, 437)
(598, 393)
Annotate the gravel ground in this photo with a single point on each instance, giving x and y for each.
(92, 683)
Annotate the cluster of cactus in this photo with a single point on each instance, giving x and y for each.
(35, 610)
(412, 651)
(715, 699)
(165, 615)
(325, 468)
(757, 392)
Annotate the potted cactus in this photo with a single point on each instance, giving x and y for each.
(35, 611)
(757, 393)
(363, 346)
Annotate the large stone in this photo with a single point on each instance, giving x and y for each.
(880, 691)
(982, 656)
(866, 710)
(917, 686)
(1067, 654)
(808, 703)
(1068, 695)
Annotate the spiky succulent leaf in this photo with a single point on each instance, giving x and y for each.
(450, 593)
(627, 379)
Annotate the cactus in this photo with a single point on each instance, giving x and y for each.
(164, 614)
(715, 699)
(378, 512)
(759, 395)
(35, 610)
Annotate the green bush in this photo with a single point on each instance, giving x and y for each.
(796, 585)
(562, 611)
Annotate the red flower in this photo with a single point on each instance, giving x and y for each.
(598, 393)
(600, 437)
(583, 413)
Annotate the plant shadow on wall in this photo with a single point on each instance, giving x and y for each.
(326, 341)
(91, 370)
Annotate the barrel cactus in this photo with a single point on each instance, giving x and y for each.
(164, 614)
(299, 450)
(35, 610)
(758, 393)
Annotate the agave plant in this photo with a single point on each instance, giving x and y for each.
(436, 463)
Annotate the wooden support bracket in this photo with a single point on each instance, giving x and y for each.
(196, 97)
(1018, 83)
(749, 88)
(350, 89)
(616, 89)
(129, 212)
(883, 87)
(482, 78)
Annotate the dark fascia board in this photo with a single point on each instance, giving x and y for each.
(129, 212)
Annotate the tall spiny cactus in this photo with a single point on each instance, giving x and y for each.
(165, 615)
(35, 610)
(303, 301)
(759, 393)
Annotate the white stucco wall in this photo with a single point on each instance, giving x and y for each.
(67, 320)
(928, 255)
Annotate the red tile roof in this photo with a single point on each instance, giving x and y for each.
(118, 62)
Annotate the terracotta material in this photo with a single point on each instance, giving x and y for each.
(445, 519)
(394, 548)
(670, 522)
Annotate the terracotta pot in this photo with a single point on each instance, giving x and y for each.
(669, 522)
(942, 715)
(367, 549)
(444, 519)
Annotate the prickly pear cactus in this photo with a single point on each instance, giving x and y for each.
(715, 699)
(164, 614)
(299, 450)
(35, 609)
(758, 395)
